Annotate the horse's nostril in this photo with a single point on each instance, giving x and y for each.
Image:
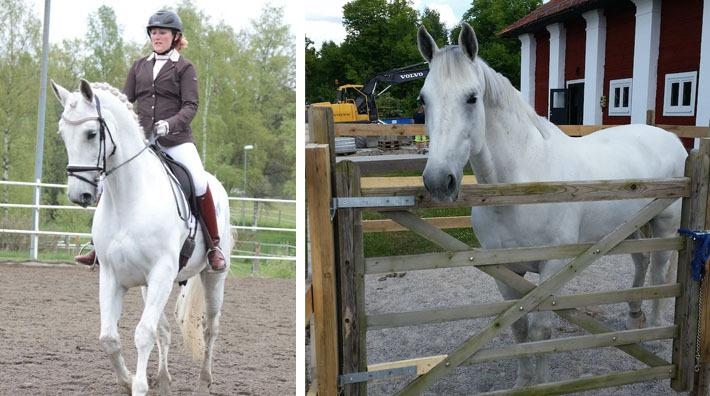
(452, 183)
(86, 198)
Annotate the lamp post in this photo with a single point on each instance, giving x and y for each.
(246, 148)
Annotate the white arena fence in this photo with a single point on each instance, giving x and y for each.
(259, 208)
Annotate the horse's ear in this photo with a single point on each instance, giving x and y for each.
(467, 41)
(85, 89)
(59, 92)
(427, 45)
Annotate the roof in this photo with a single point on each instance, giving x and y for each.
(550, 12)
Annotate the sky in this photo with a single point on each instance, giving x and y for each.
(324, 17)
(69, 18)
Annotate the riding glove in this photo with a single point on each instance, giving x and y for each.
(161, 128)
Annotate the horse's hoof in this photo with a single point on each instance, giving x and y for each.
(637, 321)
(164, 385)
(126, 385)
(139, 389)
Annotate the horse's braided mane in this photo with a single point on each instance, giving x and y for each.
(106, 87)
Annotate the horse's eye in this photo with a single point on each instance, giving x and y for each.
(420, 100)
(471, 99)
(90, 134)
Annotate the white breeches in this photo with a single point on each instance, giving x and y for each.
(187, 155)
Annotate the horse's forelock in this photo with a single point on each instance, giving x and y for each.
(453, 62)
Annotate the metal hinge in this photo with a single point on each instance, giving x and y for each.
(353, 378)
(370, 202)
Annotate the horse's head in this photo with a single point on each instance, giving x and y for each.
(452, 96)
(83, 128)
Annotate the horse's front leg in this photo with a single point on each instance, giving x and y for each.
(164, 378)
(213, 283)
(541, 323)
(526, 365)
(111, 304)
(156, 296)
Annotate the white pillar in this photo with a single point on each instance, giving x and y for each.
(557, 55)
(646, 42)
(594, 55)
(702, 113)
(528, 47)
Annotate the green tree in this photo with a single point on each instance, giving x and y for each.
(325, 70)
(488, 17)
(19, 71)
(431, 19)
(380, 36)
(107, 58)
(247, 96)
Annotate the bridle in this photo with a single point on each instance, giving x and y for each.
(75, 170)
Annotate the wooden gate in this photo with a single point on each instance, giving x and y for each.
(396, 204)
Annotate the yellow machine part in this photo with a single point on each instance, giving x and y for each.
(344, 112)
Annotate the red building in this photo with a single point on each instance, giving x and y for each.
(610, 61)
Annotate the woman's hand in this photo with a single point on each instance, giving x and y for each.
(161, 128)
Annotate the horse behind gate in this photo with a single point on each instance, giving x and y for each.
(473, 114)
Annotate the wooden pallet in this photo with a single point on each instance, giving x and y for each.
(386, 145)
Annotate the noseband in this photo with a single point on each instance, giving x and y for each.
(75, 170)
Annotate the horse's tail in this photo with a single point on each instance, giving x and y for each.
(189, 313)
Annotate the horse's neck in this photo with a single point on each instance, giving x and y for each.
(516, 140)
(136, 179)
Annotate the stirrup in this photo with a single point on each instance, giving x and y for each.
(213, 251)
(89, 259)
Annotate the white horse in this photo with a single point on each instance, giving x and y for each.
(474, 114)
(138, 233)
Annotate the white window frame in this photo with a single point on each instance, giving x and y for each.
(679, 110)
(620, 110)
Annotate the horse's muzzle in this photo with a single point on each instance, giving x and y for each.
(84, 199)
(443, 186)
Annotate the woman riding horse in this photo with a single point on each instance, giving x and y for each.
(163, 85)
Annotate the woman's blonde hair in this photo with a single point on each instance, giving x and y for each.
(180, 42)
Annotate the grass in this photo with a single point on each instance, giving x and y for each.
(267, 269)
(15, 247)
(406, 242)
(401, 243)
(240, 268)
(45, 257)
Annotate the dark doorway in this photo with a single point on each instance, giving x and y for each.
(558, 106)
(576, 103)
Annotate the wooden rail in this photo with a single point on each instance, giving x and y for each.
(544, 192)
(685, 131)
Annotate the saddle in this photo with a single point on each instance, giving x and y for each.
(184, 179)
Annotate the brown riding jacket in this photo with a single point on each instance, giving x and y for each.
(172, 97)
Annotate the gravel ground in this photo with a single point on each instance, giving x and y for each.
(461, 286)
(49, 330)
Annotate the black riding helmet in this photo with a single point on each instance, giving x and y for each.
(165, 19)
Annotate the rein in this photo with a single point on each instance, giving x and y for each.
(74, 170)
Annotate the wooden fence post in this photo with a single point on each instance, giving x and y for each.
(255, 262)
(702, 380)
(325, 334)
(351, 274)
(686, 313)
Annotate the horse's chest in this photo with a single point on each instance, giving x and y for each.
(524, 225)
